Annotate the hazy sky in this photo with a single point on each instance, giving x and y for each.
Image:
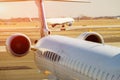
(61, 9)
(95, 8)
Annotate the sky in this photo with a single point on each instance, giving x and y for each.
(61, 9)
(95, 8)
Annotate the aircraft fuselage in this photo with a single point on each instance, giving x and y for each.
(74, 59)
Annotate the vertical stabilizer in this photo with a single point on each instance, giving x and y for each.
(44, 28)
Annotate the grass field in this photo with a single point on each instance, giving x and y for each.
(32, 29)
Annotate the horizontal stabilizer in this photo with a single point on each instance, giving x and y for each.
(81, 1)
(14, 0)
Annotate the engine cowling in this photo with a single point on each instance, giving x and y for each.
(92, 36)
(18, 44)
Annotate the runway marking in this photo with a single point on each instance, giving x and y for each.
(14, 68)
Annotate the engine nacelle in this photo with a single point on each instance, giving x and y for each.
(18, 44)
(92, 36)
(69, 23)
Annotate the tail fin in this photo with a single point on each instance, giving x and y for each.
(44, 28)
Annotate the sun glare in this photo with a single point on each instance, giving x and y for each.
(18, 9)
(2, 8)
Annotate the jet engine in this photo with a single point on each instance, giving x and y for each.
(18, 44)
(92, 36)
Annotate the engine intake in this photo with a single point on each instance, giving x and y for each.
(92, 36)
(18, 44)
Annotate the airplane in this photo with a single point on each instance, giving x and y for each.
(82, 58)
(60, 21)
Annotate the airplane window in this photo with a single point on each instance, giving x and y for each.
(82, 68)
(61, 61)
(64, 60)
(95, 73)
(113, 76)
(53, 56)
(72, 61)
(81, 65)
(40, 52)
(76, 65)
(86, 70)
(44, 54)
(48, 54)
(58, 58)
(103, 76)
(118, 77)
(72, 64)
(89, 70)
(99, 74)
(107, 76)
(68, 62)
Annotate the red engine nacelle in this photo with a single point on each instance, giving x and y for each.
(18, 44)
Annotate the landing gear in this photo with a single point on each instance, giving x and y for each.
(63, 27)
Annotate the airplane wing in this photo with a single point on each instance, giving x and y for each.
(81, 1)
(14, 0)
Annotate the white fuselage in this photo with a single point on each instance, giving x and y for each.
(75, 59)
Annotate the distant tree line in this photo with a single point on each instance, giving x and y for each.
(19, 20)
(95, 18)
(26, 19)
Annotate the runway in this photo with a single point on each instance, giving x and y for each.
(13, 68)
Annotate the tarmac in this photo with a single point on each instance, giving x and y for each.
(24, 68)
(13, 68)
